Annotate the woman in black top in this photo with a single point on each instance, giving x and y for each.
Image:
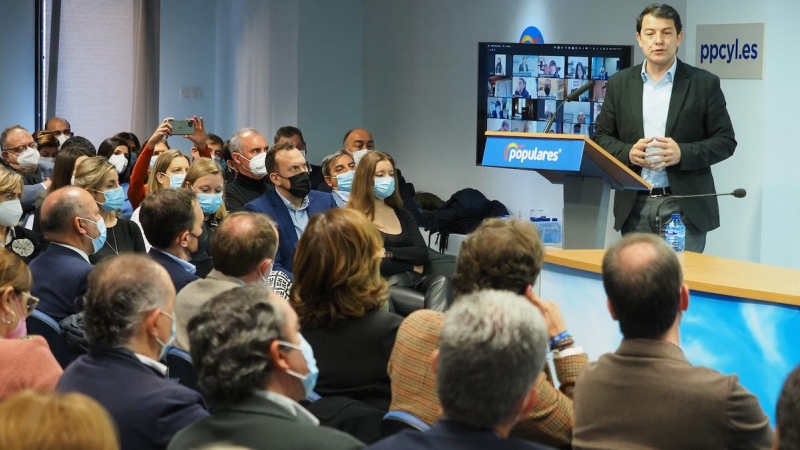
(405, 253)
(338, 294)
(16, 238)
(100, 178)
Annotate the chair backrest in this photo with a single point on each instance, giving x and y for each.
(181, 369)
(40, 324)
(396, 421)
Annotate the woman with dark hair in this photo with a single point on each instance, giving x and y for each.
(405, 253)
(48, 149)
(580, 71)
(118, 153)
(338, 294)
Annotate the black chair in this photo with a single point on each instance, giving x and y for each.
(181, 369)
(40, 324)
(397, 421)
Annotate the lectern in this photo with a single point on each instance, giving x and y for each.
(587, 172)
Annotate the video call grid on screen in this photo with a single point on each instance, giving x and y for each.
(521, 85)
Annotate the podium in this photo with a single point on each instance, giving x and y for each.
(587, 172)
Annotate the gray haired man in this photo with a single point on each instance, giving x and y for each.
(491, 351)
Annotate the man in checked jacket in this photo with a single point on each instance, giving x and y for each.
(505, 255)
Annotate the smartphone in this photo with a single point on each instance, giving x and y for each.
(182, 127)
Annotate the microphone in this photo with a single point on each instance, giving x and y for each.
(738, 193)
(570, 98)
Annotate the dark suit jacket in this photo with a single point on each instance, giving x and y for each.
(259, 423)
(647, 395)
(697, 120)
(272, 205)
(147, 408)
(59, 280)
(180, 277)
(451, 435)
(353, 356)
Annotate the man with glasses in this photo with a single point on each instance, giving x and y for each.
(292, 203)
(172, 221)
(72, 223)
(60, 129)
(295, 136)
(247, 147)
(21, 154)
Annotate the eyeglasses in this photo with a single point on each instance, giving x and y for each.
(31, 303)
(22, 148)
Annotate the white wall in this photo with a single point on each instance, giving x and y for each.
(17, 87)
(420, 72)
(740, 236)
(331, 76)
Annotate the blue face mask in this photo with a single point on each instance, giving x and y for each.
(345, 180)
(309, 380)
(99, 241)
(175, 180)
(384, 187)
(165, 346)
(209, 203)
(153, 161)
(114, 199)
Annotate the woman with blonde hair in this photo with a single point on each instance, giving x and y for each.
(169, 172)
(338, 294)
(405, 253)
(15, 237)
(55, 421)
(27, 361)
(206, 180)
(101, 180)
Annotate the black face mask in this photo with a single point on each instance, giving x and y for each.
(300, 185)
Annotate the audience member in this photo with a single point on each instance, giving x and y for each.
(244, 248)
(339, 295)
(405, 253)
(20, 154)
(204, 179)
(338, 170)
(72, 223)
(27, 360)
(145, 167)
(291, 203)
(492, 349)
(787, 432)
(214, 144)
(295, 136)
(60, 128)
(228, 164)
(47, 145)
(100, 179)
(15, 237)
(128, 318)
(504, 255)
(119, 153)
(248, 150)
(641, 394)
(173, 223)
(55, 421)
(169, 172)
(80, 141)
(254, 366)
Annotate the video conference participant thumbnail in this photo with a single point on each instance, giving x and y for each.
(524, 109)
(602, 68)
(551, 66)
(498, 108)
(497, 64)
(578, 67)
(525, 65)
(552, 89)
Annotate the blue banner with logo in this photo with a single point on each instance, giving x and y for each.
(533, 153)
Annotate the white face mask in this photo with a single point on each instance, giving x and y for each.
(61, 139)
(29, 159)
(258, 165)
(357, 155)
(10, 213)
(120, 162)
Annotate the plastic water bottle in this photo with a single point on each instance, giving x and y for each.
(676, 233)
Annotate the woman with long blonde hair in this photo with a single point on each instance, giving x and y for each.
(206, 180)
(100, 179)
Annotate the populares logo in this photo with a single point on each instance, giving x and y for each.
(518, 152)
(531, 35)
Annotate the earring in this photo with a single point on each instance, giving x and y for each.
(13, 318)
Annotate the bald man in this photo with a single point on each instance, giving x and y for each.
(72, 223)
(60, 128)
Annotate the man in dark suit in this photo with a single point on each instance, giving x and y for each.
(172, 221)
(647, 394)
(72, 223)
(130, 324)
(668, 121)
(254, 399)
(292, 203)
(483, 388)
